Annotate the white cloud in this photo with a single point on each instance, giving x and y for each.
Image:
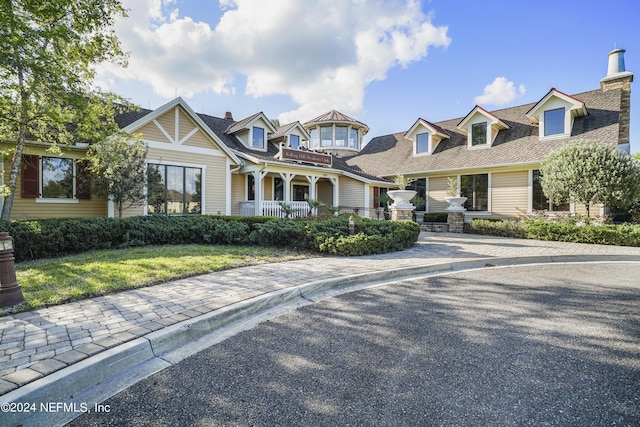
(321, 54)
(500, 92)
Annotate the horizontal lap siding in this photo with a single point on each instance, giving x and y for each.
(509, 193)
(27, 208)
(351, 194)
(168, 122)
(238, 183)
(151, 132)
(437, 190)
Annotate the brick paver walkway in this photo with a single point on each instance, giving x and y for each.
(37, 343)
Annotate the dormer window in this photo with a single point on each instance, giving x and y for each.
(294, 141)
(253, 132)
(425, 137)
(554, 121)
(481, 127)
(258, 137)
(479, 134)
(554, 114)
(422, 143)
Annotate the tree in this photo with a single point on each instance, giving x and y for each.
(588, 173)
(118, 164)
(49, 49)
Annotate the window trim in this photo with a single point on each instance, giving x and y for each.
(427, 143)
(253, 137)
(486, 135)
(184, 194)
(488, 174)
(297, 138)
(564, 124)
(33, 180)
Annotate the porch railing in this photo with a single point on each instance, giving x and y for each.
(273, 208)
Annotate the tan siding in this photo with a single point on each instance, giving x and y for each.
(243, 136)
(27, 208)
(238, 184)
(150, 132)
(185, 123)
(437, 192)
(325, 195)
(267, 188)
(509, 193)
(351, 194)
(168, 122)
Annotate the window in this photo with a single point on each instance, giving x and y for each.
(341, 136)
(479, 134)
(57, 178)
(353, 139)
(300, 192)
(476, 189)
(258, 137)
(422, 143)
(420, 199)
(251, 187)
(278, 189)
(326, 136)
(174, 190)
(315, 138)
(294, 141)
(554, 122)
(540, 202)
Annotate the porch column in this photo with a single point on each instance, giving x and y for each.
(258, 176)
(336, 191)
(287, 178)
(313, 180)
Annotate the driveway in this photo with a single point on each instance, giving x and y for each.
(554, 345)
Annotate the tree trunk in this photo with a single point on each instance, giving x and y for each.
(17, 155)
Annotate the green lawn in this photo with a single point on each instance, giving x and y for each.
(59, 280)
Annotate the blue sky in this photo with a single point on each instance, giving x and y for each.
(383, 62)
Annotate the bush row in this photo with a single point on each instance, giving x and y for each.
(54, 237)
(620, 235)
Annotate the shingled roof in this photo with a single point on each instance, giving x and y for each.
(520, 144)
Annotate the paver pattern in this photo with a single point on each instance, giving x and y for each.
(37, 343)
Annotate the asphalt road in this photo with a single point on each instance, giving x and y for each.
(555, 345)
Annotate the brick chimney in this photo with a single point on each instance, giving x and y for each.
(618, 78)
(228, 115)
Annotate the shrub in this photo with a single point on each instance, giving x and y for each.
(55, 237)
(562, 230)
(436, 217)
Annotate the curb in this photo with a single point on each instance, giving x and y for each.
(77, 388)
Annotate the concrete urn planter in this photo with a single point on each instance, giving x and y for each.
(455, 204)
(401, 198)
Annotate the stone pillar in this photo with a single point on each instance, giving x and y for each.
(401, 214)
(455, 220)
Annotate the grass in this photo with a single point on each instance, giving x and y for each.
(59, 280)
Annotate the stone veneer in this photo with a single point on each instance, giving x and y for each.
(455, 220)
(401, 214)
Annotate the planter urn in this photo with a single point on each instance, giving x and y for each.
(455, 204)
(402, 198)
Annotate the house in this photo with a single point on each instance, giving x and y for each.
(220, 166)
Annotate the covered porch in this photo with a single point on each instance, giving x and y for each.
(285, 194)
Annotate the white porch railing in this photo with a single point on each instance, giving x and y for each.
(273, 208)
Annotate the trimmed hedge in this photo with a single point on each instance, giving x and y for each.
(55, 237)
(619, 235)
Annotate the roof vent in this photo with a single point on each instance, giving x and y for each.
(228, 115)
